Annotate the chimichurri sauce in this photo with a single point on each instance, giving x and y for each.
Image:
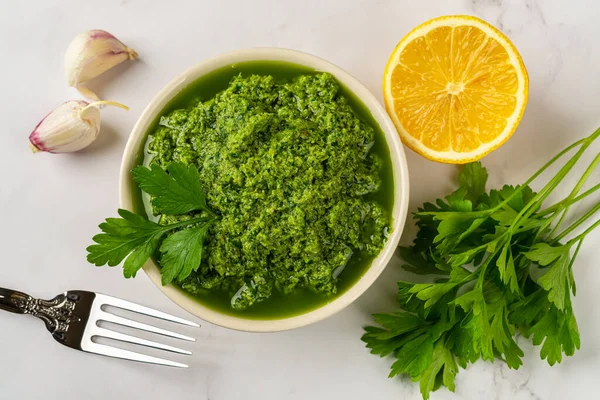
(299, 172)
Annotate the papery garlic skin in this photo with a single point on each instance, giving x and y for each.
(93, 52)
(70, 127)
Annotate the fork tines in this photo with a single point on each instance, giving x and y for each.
(93, 330)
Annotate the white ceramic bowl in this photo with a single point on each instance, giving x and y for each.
(400, 174)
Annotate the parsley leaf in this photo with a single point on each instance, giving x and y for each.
(134, 238)
(131, 235)
(472, 179)
(442, 370)
(557, 281)
(416, 355)
(182, 253)
(555, 330)
(417, 264)
(544, 254)
(506, 268)
(178, 192)
(557, 333)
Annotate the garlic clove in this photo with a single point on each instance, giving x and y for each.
(92, 53)
(72, 126)
(87, 93)
(64, 131)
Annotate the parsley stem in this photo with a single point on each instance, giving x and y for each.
(212, 214)
(585, 142)
(575, 253)
(481, 271)
(548, 164)
(576, 224)
(188, 222)
(583, 234)
(535, 203)
(539, 198)
(545, 192)
(567, 202)
(576, 190)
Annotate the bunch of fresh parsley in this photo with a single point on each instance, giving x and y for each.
(501, 265)
(135, 238)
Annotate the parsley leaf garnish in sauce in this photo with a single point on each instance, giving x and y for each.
(135, 238)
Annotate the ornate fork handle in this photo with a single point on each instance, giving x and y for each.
(56, 313)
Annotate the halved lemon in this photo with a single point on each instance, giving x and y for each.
(456, 89)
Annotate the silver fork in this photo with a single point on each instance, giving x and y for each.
(73, 320)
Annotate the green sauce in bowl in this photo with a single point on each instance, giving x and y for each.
(300, 173)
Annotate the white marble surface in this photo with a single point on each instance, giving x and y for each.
(52, 204)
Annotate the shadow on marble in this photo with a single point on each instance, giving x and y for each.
(104, 83)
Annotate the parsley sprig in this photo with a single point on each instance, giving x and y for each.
(501, 266)
(135, 238)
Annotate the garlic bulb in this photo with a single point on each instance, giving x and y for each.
(70, 127)
(93, 52)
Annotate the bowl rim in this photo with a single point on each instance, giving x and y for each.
(400, 178)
